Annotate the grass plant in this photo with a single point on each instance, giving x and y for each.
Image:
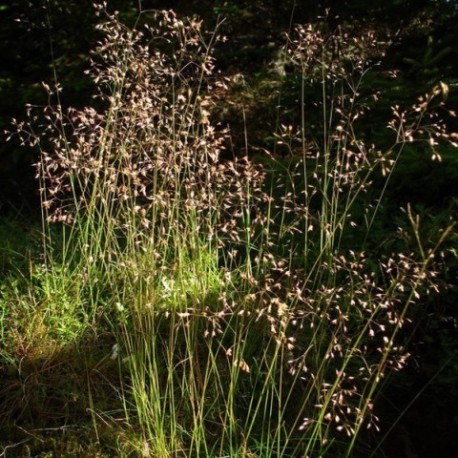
(238, 305)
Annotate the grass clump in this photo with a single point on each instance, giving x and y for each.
(242, 316)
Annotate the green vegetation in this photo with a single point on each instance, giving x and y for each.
(177, 302)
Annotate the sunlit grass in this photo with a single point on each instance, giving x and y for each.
(187, 305)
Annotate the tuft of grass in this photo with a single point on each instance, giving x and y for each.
(241, 314)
